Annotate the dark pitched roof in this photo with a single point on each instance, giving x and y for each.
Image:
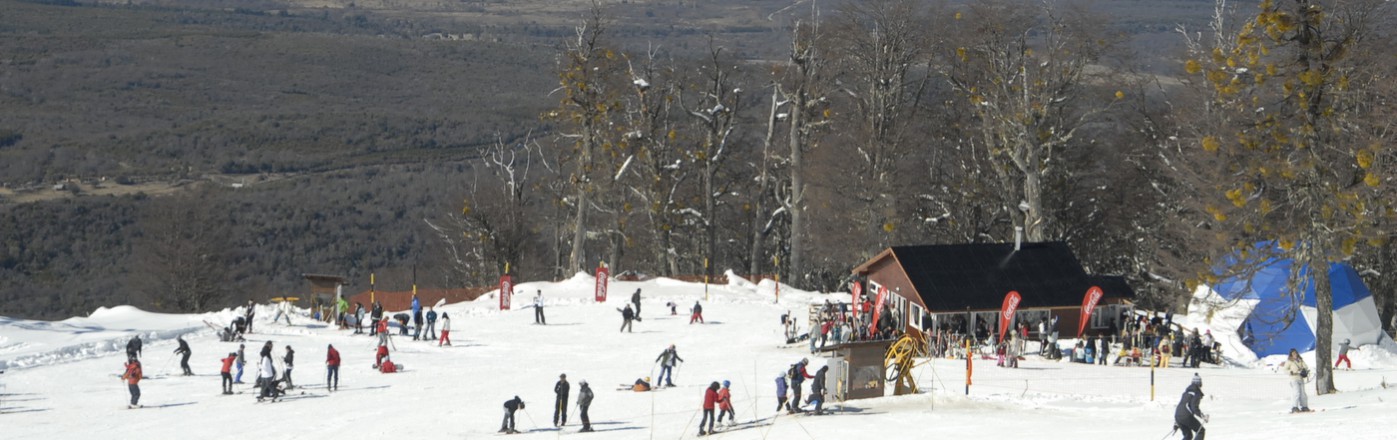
(977, 276)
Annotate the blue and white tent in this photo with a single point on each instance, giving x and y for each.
(1260, 312)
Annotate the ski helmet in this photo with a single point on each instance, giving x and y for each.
(726, 384)
(1197, 380)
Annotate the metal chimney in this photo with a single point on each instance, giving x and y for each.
(1018, 237)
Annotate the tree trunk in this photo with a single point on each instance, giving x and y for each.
(579, 233)
(709, 224)
(758, 213)
(1324, 329)
(796, 208)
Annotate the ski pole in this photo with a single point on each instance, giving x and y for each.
(531, 418)
(1171, 432)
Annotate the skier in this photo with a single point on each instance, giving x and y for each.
(133, 376)
(560, 407)
(375, 317)
(431, 325)
(184, 353)
(798, 376)
(510, 406)
(668, 359)
(725, 404)
(673, 308)
(584, 400)
(290, 360)
(358, 318)
(388, 366)
(635, 299)
(382, 329)
(227, 375)
(266, 375)
(1298, 371)
(780, 391)
(332, 369)
(538, 309)
(1187, 417)
(445, 330)
(251, 311)
(626, 317)
(817, 390)
(710, 397)
(242, 360)
(1343, 355)
(402, 323)
(283, 309)
(133, 347)
(1105, 350)
(697, 314)
(416, 319)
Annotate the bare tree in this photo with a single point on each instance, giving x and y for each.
(653, 132)
(713, 106)
(183, 253)
(809, 112)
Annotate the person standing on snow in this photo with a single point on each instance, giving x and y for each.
(538, 309)
(798, 376)
(635, 299)
(133, 377)
(710, 398)
(1344, 347)
(358, 318)
(375, 317)
(510, 406)
(1298, 371)
(266, 375)
(431, 331)
(332, 369)
(725, 404)
(668, 359)
(133, 347)
(416, 319)
(184, 353)
(290, 360)
(560, 407)
(382, 329)
(445, 330)
(697, 314)
(1187, 417)
(780, 392)
(817, 390)
(1105, 350)
(584, 400)
(226, 372)
(626, 317)
(251, 311)
(242, 360)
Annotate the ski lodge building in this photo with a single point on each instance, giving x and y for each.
(958, 286)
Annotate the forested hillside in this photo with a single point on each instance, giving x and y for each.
(238, 145)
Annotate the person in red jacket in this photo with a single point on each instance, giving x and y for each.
(332, 369)
(133, 376)
(710, 397)
(388, 366)
(725, 404)
(228, 372)
(382, 354)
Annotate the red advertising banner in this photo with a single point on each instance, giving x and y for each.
(1088, 305)
(878, 308)
(856, 288)
(506, 291)
(1006, 313)
(603, 276)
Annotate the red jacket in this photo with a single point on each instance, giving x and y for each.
(709, 398)
(383, 350)
(332, 358)
(388, 367)
(133, 373)
(383, 326)
(724, 400)
(228, 363)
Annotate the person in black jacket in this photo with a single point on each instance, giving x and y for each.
(290, 360)
(626, 317)
(1187, 417)
(584, 400)
(133, 347)
(635, 299)
(184, 353)
(560, 408)
(817, 390)
(507, 426)
(375, 314)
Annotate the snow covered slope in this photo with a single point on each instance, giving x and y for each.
(62, 380)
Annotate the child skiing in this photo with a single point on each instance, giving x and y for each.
(242, 360)
(697, 314)
(1344, 347)
(725, 404)
(780, 392)
(227, 376)
(133, 376)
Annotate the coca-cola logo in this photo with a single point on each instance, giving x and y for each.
(1009, 306)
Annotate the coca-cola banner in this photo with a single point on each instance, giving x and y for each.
(1088, 305)
(1006, 313)
(603, 275)
(506, 291)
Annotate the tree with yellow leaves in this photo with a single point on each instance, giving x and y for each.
(1295, 159)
